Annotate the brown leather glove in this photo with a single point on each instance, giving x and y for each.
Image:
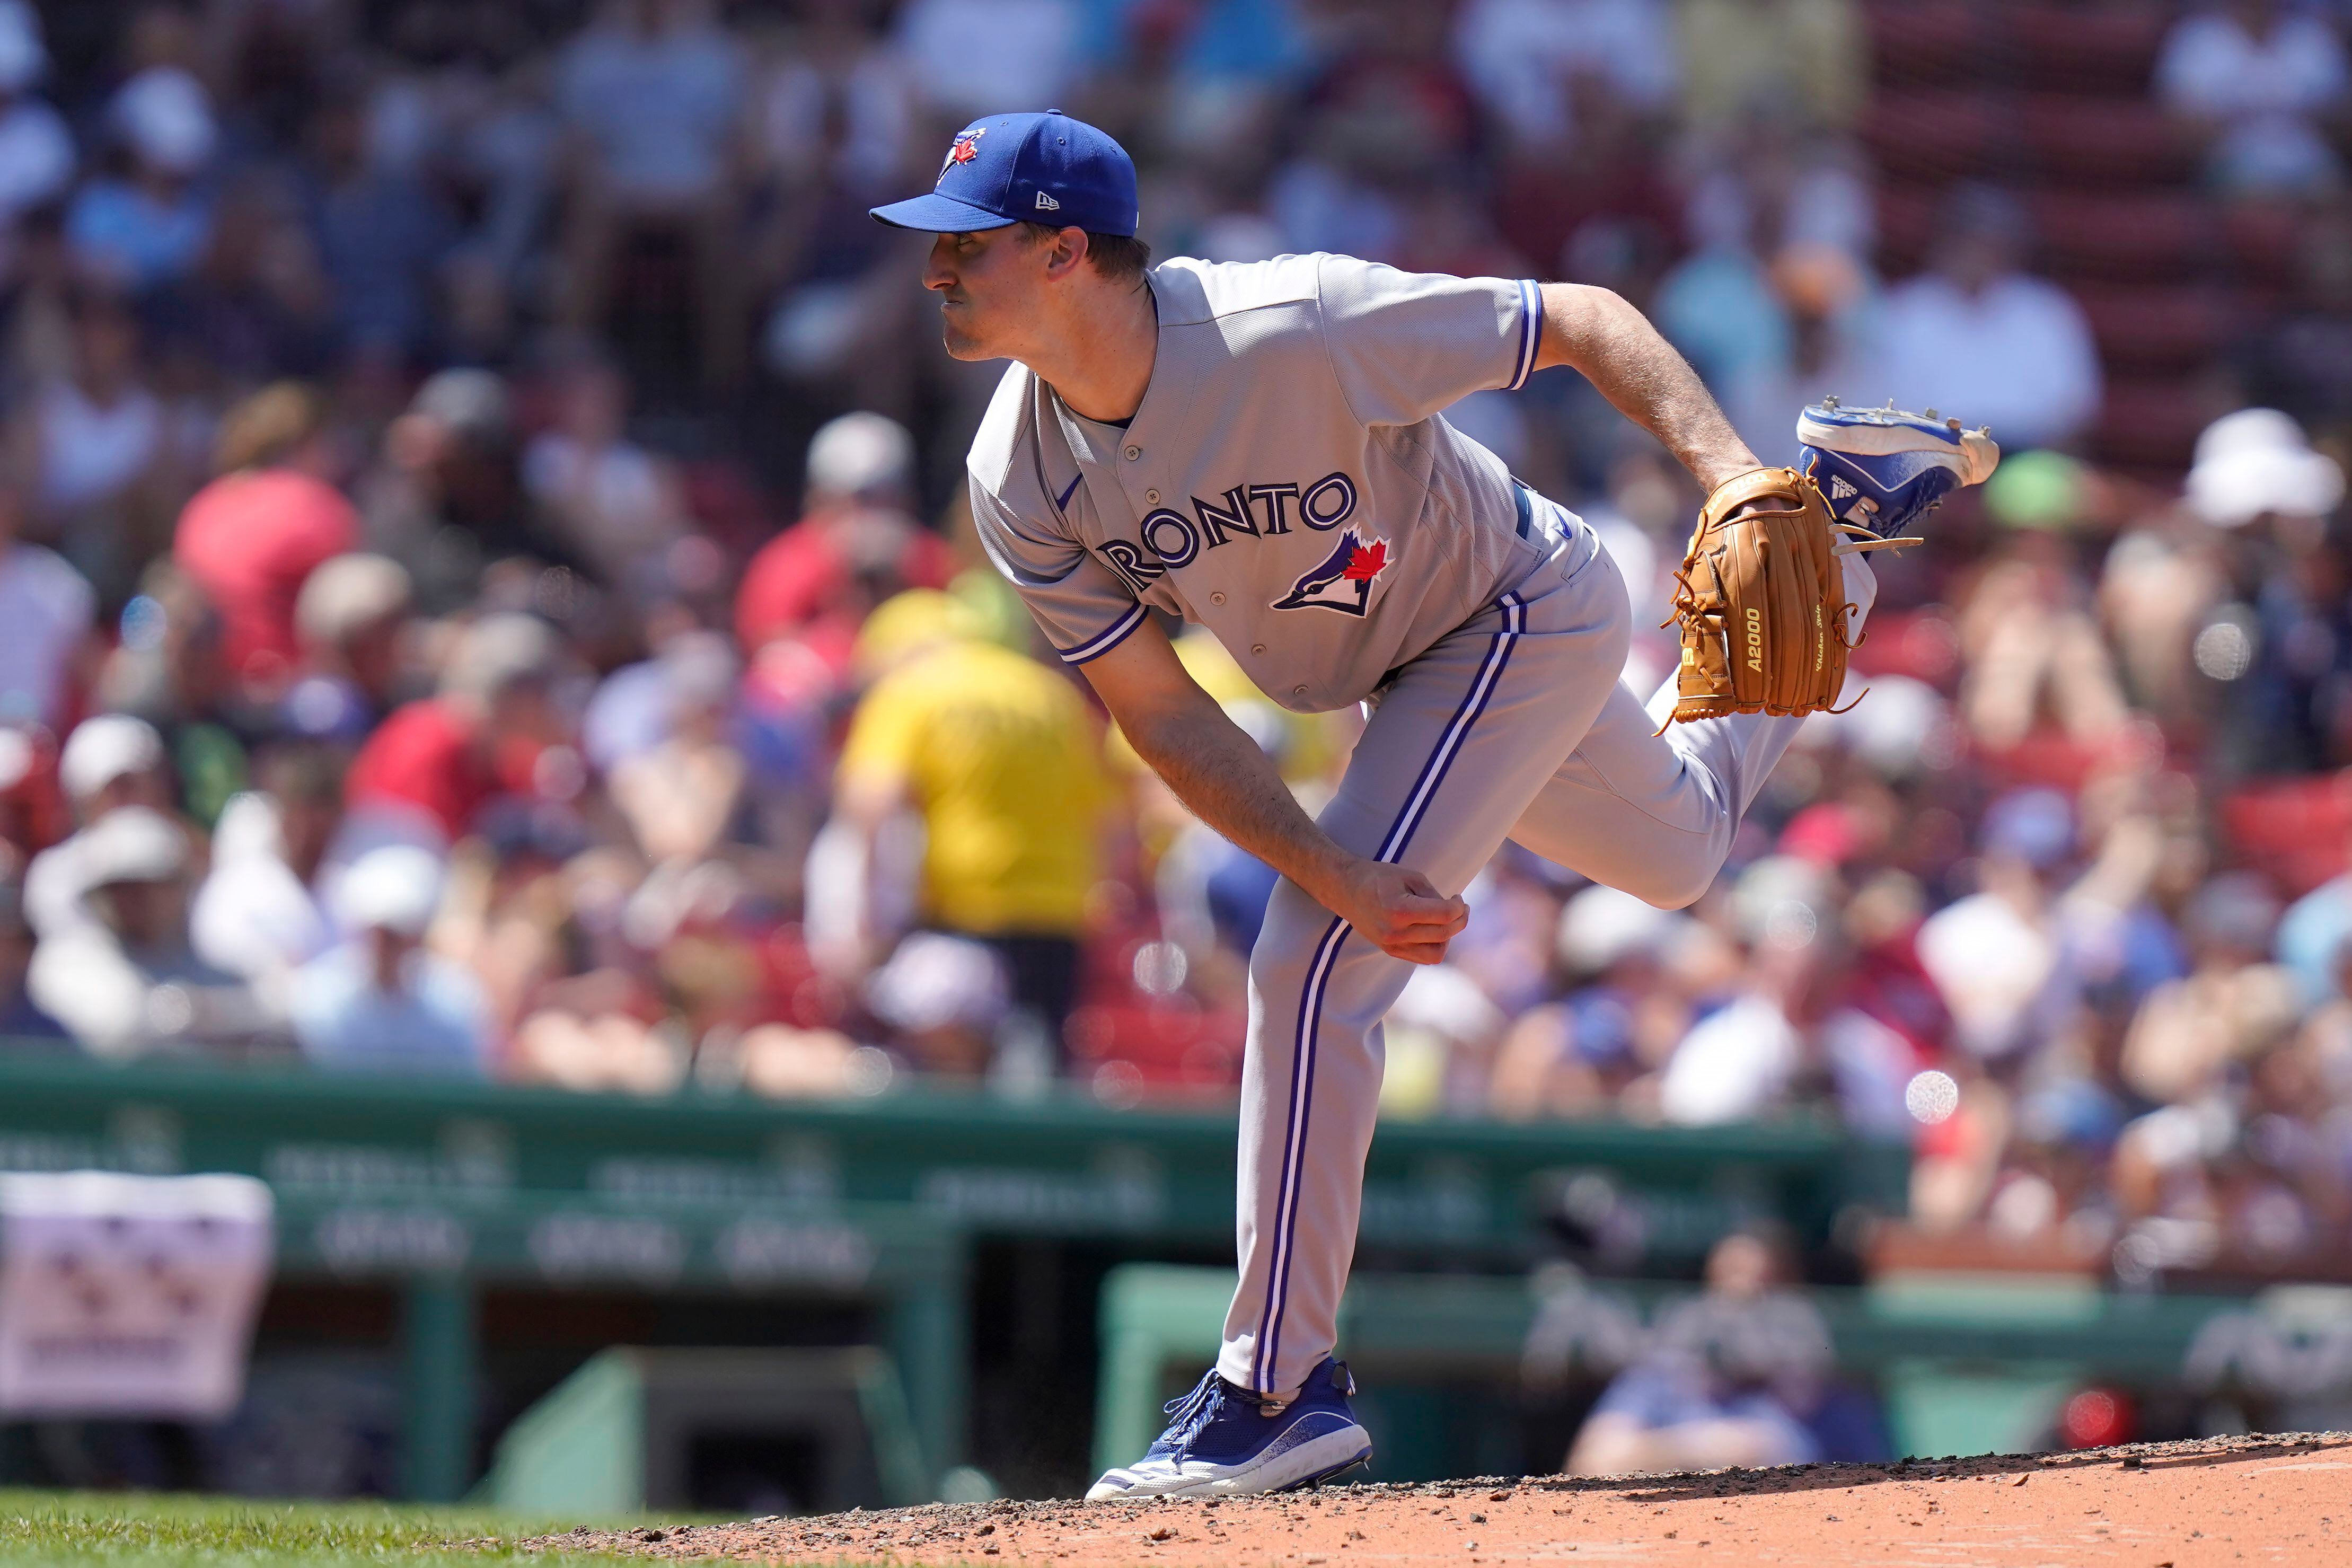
(1762, 599)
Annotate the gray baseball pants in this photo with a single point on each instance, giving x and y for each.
(1514, 726)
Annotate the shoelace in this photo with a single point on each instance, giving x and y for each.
(1188, 1416)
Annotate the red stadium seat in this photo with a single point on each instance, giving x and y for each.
(1907, 224)
(1927, 40)
(2108, 51)
(2153, 423)
(2156, 238)
(2264, 241)
(2104, 142)
(2159, 328)
(1936, 134)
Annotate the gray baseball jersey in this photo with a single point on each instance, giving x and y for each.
(1287, 482)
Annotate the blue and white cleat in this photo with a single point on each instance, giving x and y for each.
(1223, 1441)
(1882, 471)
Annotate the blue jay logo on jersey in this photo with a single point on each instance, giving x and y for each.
(1344, 581)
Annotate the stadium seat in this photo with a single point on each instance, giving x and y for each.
(1906, 223)
(1936, 41)
(2103, 142)
(2151, 237)
(2160, 236)
(2152, 423)
(2105, 51)
(2159, 327)
(2264, 241)
(1939, 134)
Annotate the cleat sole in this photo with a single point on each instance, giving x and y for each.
(1362, 1460)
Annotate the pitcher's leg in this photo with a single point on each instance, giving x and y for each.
(1310, 1094)
(1652, 813)
(1459, 745)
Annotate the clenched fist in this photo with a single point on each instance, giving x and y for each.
(1395, 909)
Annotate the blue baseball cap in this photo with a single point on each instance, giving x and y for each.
(1026, 168)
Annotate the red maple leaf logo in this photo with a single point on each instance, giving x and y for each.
(965, 148)
(1367, 562)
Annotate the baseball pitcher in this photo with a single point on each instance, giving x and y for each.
(1261, 448)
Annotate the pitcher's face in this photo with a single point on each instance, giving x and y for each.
(991, 285)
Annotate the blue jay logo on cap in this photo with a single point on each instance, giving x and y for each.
(1003, 169)
(964, 149)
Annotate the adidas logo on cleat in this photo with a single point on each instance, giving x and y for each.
(1840, 490)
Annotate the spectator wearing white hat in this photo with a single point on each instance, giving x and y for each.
(108, 762)
(857, 544)
(2280, 647)
(126, 982)
(381, 1001)
(2258, 463)
(149, 224)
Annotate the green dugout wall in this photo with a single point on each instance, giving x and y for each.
(441, 1189)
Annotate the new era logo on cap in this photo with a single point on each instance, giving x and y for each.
(1008, 168)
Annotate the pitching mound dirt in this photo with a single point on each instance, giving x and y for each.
(2274, 1499)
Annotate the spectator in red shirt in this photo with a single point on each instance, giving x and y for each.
(857, 544)
(436, 762)
(251, 537)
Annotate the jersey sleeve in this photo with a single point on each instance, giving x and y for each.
(1405, 345)
(1084, 607)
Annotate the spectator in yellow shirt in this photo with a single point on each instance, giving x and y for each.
(999, 760)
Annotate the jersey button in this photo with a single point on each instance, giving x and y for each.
(1152, 496)
(1257, 647)
(1299, 691)
(1133, 453)
(1216, 598)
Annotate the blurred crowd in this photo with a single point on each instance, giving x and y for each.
(487, 587)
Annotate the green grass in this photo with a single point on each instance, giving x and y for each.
(169, 1531)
